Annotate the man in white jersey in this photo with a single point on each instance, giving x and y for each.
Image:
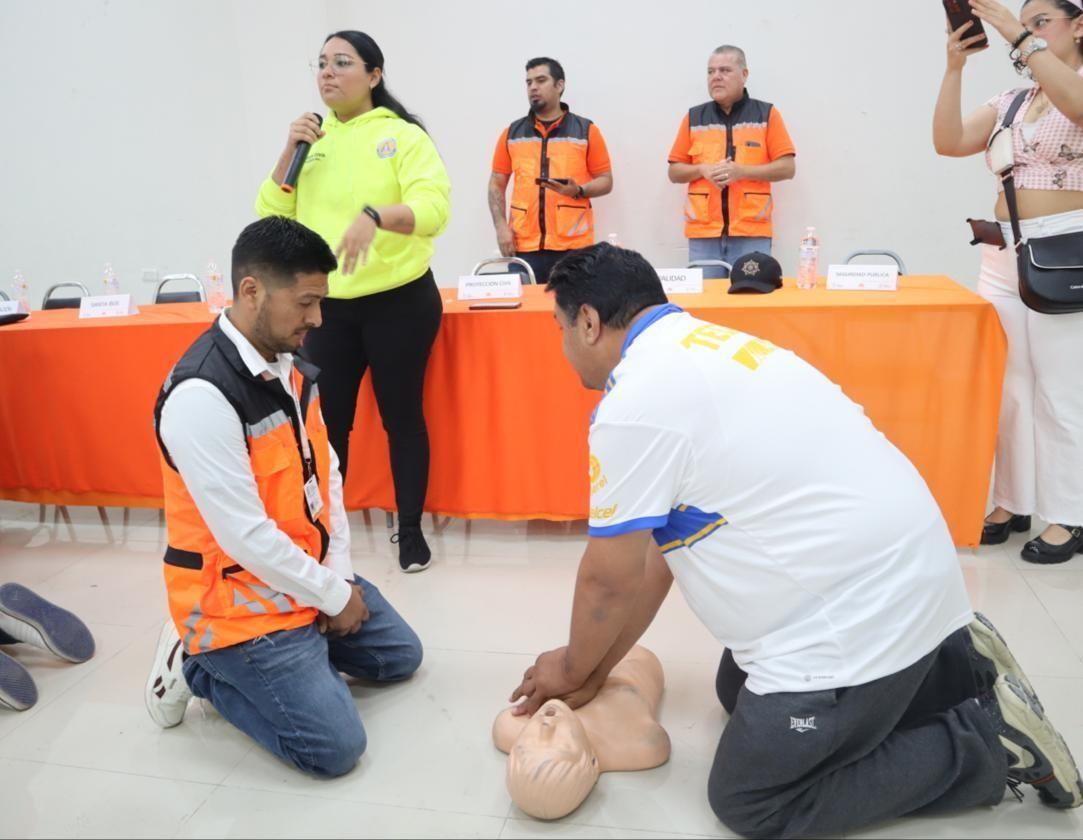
(813, 550)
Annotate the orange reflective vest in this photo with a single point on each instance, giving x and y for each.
(213, 601)
(543, 219)
(751, 134)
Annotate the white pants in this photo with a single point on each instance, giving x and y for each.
(1039, 458)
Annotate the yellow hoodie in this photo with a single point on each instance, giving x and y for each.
(378, 159)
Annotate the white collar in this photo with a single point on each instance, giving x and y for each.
(253, 360)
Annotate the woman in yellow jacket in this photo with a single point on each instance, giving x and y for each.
(374, 187)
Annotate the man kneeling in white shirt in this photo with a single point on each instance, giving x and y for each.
(265, 607)
(813, 550)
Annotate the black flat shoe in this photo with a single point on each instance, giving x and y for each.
(1039, 551)
(995, 534)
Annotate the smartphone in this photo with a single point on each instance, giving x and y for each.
(554, 180)
(959, 12)
(496, 304)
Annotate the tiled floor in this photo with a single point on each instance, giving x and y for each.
(88, 761)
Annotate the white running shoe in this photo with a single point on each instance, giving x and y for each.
(167, 692)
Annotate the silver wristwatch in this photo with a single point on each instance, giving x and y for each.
(1034, 46)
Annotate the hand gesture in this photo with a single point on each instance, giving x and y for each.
(505, 239)
(304, 129)
(545, 679)
(723, 174)
(349, 621)
(570, 189)
(960, 47)
(355, 243)
(999, 17)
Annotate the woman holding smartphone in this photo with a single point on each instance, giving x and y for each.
(1039, 460)
(374, 187)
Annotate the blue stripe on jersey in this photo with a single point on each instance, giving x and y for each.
(645, 523)
(633, 334)
(686, 526)
(643, 323)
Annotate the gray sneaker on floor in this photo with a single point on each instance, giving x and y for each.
(990, 657)
(17, 689)
(27, 617)
(1037, 754)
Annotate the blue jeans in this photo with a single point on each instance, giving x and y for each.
(284, 689)
(726, 248)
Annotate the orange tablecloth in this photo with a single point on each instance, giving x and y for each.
(507, 417)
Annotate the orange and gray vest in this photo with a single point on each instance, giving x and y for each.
(544, 219)
(213, 600)
(743, 209)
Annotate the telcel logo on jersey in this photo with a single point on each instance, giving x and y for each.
(603, 512)
(597, 480)
(803, 724)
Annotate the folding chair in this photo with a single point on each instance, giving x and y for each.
(711, 264)
(520, 265)
(50, 302)
(199, 293)
(877, 253)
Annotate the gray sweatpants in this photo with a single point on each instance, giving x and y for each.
(823, 763)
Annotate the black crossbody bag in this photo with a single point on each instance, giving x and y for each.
(1050, 267)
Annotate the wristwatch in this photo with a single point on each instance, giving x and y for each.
(579, 191)
(1034, 46)
(370, 211)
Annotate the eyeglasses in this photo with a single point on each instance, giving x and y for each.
(339, 64)
(1041, 22)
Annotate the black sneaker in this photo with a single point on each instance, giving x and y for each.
(990, 657)
(1037, 755)
(414, 552)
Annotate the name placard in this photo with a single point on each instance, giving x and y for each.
(13, 307)
(681, 281)
(486, 286)
(876, 278)
(107, 306)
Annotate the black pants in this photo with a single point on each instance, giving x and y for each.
(542, 262)
(392, 333)
(823, 763)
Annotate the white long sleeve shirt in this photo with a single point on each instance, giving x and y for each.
(206, 441)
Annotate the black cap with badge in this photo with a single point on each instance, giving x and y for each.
(755, 272)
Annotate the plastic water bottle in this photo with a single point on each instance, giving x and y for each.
(216, 290)
(20, 289)
(806, 263)
(613, 240)
(109, 280)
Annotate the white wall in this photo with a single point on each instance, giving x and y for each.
(138, 132)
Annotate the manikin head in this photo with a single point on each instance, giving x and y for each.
(552, 766)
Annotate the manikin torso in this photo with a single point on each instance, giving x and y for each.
(555, 757)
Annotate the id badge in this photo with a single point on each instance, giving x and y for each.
(312, 496)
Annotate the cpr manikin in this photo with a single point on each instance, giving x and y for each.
(555, 757)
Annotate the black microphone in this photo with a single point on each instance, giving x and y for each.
(299, 155)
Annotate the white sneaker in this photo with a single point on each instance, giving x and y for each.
(167, 692)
